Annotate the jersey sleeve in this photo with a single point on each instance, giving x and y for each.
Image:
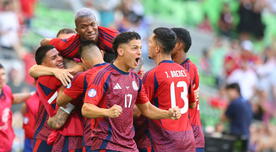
(196, 84)
(191, 94)
(57, 43)
(142, 97)
(76, 88)
(63, 44)
(48, 93)
(149, 84)
(95, 90)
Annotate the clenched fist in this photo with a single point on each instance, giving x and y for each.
(174, 113)
(115, 111)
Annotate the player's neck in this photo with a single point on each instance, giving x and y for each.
(162, 57)
(120, 65)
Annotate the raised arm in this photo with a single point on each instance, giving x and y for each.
(64, 75)
(20, 97)
(152, 112)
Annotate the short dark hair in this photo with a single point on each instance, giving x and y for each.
(124, 37)
(183, 36)
(41, 52)
(66, 31)
(1, 66)
(166, 38)
(234, 86)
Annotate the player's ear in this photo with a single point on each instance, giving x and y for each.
(120, 51)
(102, 52)
(157, 49)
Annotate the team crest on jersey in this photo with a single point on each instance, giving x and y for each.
(134, 86)
(92, 93)
(69, 86)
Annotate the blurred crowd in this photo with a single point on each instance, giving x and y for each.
(234, 57)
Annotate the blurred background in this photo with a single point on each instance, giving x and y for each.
(228, 37)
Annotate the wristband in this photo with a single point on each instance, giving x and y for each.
(68, 109)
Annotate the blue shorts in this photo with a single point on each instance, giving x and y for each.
(200, 150)
(28, 145)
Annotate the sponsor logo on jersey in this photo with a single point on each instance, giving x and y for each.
(117, 86)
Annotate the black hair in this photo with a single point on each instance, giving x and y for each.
(65, 31)
(41, 52)
(166, 38)
(124, 37)
(234, 86)
(1, 66)
(183, 36)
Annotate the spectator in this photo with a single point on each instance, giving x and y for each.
(238, 112)
(250, 14)
(205, 25)
(106, 9)
(225, 22)
(232, 59)
(246, 78)
(205, 62)
(9, 26)
(27, 9)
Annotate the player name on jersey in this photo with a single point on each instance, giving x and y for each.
(176, 74)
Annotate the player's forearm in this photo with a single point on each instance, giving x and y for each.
(20, 97)
(152, 112)
(40, 70)
(93, 111)
(58, 120)
(62, 98)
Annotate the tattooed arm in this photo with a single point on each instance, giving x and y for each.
(58, 120)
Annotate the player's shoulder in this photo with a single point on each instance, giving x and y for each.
(108, 30)
(102, 74)
(49, 80)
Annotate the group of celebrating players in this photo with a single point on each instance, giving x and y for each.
(92, 98)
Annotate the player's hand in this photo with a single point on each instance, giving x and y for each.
(115, 111)
(64, 75)
(174, 113)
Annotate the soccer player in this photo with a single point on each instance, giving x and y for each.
(50, 117)
(30, 112)
(168, 85)
(6, 101)
(112, 94)
(179, 55)
(87, 31)
(64, 75)
(93, 61)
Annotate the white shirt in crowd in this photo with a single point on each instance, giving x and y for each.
(9, 26)
(247, 79)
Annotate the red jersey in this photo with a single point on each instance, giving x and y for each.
(30, 117)
(194, 114)
(70, 47)
(47, 93)
(77, 91)
(108, 87)
(169, 85)
(6, 130)
(72, 129)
